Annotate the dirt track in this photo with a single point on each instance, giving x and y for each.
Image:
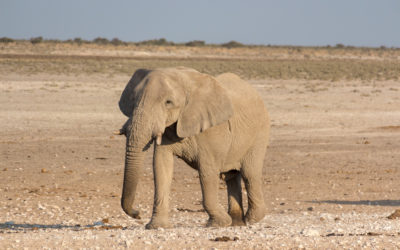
(331, 171)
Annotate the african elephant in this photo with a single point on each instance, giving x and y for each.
(218, 126)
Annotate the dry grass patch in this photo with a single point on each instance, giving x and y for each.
(329, 69)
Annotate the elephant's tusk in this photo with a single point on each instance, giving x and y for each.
(118, 132)
(158, 139)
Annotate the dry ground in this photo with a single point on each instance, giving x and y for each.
(331, 173)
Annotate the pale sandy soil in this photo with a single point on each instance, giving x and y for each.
(331, 173)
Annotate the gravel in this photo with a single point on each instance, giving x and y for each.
(351, 230)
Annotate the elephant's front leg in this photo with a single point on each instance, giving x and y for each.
(162, 170)
(209, 180)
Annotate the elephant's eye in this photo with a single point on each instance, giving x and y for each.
(168, 103)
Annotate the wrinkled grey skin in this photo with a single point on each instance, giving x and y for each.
(218, 126)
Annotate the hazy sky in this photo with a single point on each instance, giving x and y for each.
(279, 22)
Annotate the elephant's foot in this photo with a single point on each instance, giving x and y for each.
(133, 213)
(223, 220)
(255, 215)
(154, 224)
(237, 222)
(237, 218)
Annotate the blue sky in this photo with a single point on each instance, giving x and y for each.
(279, 22)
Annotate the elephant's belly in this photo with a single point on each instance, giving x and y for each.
(189, 162)
(227, 167)
(226, 176)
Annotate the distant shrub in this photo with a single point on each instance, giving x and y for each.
(53, 41)
(35, 40)
(116, 42)
(195, 43)
(232, 44)
(298, 49)
(6, 40)
(158, 42)
(101, 40)
(339, 46)
(78, 40)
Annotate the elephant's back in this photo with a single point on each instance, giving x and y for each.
(237, 87)
(242, 94)
(250, 112)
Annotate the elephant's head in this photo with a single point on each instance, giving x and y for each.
(156, 99)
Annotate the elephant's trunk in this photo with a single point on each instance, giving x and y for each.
(139, 136)
(134, 159)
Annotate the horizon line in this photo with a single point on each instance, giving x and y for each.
(165, 42)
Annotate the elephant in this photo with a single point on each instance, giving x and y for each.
(219, 126)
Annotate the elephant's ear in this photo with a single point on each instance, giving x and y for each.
(208, 105)
(127, 98)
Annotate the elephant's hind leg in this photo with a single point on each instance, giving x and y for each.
(235, 204)
(251, 170)
(256, 209)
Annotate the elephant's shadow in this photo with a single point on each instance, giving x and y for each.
(391, 203)
(11, 226)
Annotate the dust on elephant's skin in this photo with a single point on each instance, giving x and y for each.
(218, 126)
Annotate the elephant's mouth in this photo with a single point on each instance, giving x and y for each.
(155, 139)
